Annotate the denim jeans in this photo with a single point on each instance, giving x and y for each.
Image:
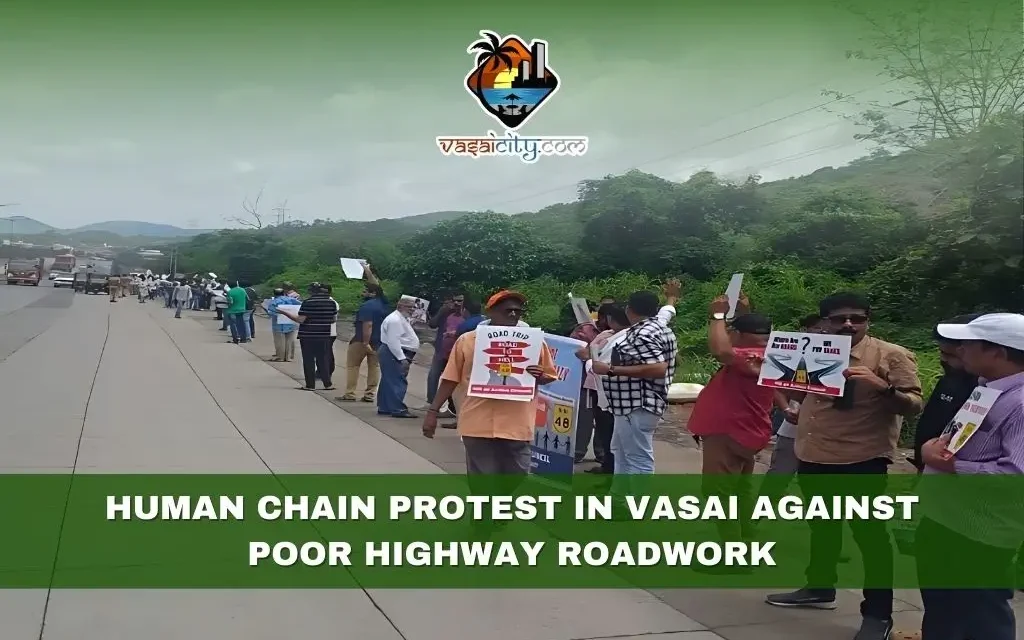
(393, 384)
(250, 324)
(238, 325)
(633, 448)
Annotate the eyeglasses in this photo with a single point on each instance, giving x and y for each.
(853, 318)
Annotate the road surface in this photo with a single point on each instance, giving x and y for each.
(88, 386)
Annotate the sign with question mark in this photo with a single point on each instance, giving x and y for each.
(809, 362)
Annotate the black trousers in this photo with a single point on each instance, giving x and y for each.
(330, 355)
(963, 614)
(315, 360)
(871, 536)
(604, 424)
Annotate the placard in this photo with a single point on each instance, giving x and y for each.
(967, 420)
(810, 362)
(580, 310)
(353, 268)
(558, 406)
(419, 308)
(500, 359)
(733, 293)
(283, 321)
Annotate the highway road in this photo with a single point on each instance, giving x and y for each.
(28, 312)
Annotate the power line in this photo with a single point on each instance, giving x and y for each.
(701, 145)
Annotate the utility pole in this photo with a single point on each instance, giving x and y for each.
(11, 204)
(281, 210)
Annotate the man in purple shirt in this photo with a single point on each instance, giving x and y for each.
(969, 536)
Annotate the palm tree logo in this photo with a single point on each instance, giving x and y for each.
(510, 80)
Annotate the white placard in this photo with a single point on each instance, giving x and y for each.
(353, 268)
(580, 310)
(733, 293)
(283, 321)
(500, 359)
(811, 362)
(970, 416)
(419, 308)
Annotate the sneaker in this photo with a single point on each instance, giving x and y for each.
(806, 598)
(874, 629)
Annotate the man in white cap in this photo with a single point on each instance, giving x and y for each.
(987, 530)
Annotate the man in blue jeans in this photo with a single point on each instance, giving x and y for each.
(235, 313)
(636, 384)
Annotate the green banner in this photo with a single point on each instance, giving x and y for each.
(427, 531)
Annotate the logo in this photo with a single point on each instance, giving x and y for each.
(511, 81)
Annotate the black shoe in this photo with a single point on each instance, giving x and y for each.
(874, 629)
(578, 458)
(805, 598)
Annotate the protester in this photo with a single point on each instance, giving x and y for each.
(972, 537)
(197, 296)
(289, 290)
(182, 298)
(471, 317)
(855, 434)
(950, 392)
(399, 344)
(126, 285)
(612, 319)
(636, 384)
(252, 298)
(587, 332)
(284, 333)
(366, 340)
(446, 321)
(784, 461)
(114, 287)
(496, 434)
(317, 314)
(235, 315)
(142, 287)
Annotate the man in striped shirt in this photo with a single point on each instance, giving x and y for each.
(971, 536)
(317, 318)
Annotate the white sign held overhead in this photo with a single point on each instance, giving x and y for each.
(580, 309)
(353, 268)
(733, 293)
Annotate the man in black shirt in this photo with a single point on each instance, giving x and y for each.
(317, 318)
(951, 391)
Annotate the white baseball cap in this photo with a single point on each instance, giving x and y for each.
(1004, 329)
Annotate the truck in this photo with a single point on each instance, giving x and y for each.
(63, 264)
(92, 278)
(25, 271)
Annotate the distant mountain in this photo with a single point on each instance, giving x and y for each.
(22, 226)
(130, 228)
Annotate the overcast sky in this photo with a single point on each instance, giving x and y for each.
(179, 124)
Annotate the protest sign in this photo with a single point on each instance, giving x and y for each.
(281, 320)
(500, 359)
(811, 362)
(353, 268)
(419, 308)
(580, 309)
(558, 405)
(733, 293)
(967, 420)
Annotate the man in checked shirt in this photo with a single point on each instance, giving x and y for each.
(636, 383)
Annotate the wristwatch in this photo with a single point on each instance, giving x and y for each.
(718, 316)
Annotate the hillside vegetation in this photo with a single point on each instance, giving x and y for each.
(926, 234)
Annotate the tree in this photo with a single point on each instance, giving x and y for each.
(253, 218)
(490, 250)
(957, 67)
